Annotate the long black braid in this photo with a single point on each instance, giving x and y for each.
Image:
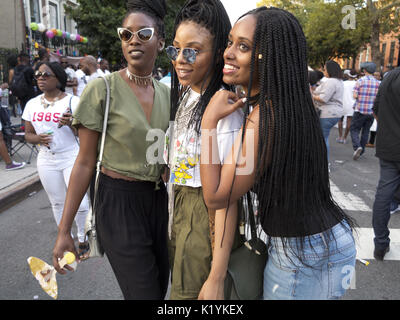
(211, 15)
(292, 183)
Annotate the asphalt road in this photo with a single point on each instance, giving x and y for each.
(28, 229)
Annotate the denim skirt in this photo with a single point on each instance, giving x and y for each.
(329, 261)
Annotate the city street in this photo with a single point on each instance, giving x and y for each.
(28, 229)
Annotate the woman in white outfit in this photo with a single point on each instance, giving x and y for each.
(348, 104)
(48, 119)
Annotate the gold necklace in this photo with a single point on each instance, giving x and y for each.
(140, 81)
(46, 103)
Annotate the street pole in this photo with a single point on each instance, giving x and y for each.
(24, 30)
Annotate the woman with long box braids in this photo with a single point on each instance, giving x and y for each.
(312, 250)
(201, 30)
(131, 209)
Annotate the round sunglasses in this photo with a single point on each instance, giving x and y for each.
(189, 54)
(144, 35)
(45, 75)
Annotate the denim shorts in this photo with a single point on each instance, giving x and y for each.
(329, 262)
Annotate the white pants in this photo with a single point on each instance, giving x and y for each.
(54, 172)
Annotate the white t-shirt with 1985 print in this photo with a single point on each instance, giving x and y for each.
(46, 120)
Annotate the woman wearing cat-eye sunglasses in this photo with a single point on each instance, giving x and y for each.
(131, 201)
(144, 35)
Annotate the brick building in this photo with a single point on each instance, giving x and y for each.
(390, 49)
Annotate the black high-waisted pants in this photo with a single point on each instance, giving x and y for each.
(132, 225)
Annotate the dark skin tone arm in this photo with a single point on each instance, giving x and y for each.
(81, 175)
(217, 183)
(32, 137)
(216, 179)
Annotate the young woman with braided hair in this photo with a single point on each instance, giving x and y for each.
(201, 29)
(311, 246)
(132, 205)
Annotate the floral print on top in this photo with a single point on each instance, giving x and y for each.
(184, 158)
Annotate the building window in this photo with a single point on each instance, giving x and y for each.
(35, 11)
(53, 15)
(391, 54)
(383, 54)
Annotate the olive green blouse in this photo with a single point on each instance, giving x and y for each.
(127, 138)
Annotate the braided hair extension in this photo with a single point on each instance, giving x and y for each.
(211, 15)
(156, 9)
(292, 183)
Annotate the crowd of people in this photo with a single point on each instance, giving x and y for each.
(346, 97)
(242, 87)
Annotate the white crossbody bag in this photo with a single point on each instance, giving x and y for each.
(95, 247)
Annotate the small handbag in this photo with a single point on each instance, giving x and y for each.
(244, 278)
(95, 248)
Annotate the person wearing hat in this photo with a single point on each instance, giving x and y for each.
(350, 77)
(364, 94)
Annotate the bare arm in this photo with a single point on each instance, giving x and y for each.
(239, 175)
(72, 83)
(222, 182)
(318, 99)
(32, 137)
(81, 175)
(213, 288)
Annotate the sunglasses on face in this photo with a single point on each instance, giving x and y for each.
(45, 75)
(144, 35)
(189, 54)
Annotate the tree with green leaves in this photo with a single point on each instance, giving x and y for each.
(322, 24)
(329, 29)
(383, 16)
(336, 30)
(99, 20)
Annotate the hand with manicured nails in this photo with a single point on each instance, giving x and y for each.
(222, 104)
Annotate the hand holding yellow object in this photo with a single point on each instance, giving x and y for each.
(46, 274)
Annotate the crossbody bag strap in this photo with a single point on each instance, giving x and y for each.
(252, 220)
(70, 111)
(103, 138)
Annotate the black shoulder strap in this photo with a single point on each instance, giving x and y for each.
(252, 219)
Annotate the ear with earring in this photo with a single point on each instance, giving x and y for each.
(162, 47)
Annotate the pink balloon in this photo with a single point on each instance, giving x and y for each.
(50, 34)
(78, 37)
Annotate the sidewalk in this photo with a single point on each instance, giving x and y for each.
(18, 184)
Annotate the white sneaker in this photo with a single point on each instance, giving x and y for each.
(395, 210)
(357, 153)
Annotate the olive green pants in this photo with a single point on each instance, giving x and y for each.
(189, 249)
